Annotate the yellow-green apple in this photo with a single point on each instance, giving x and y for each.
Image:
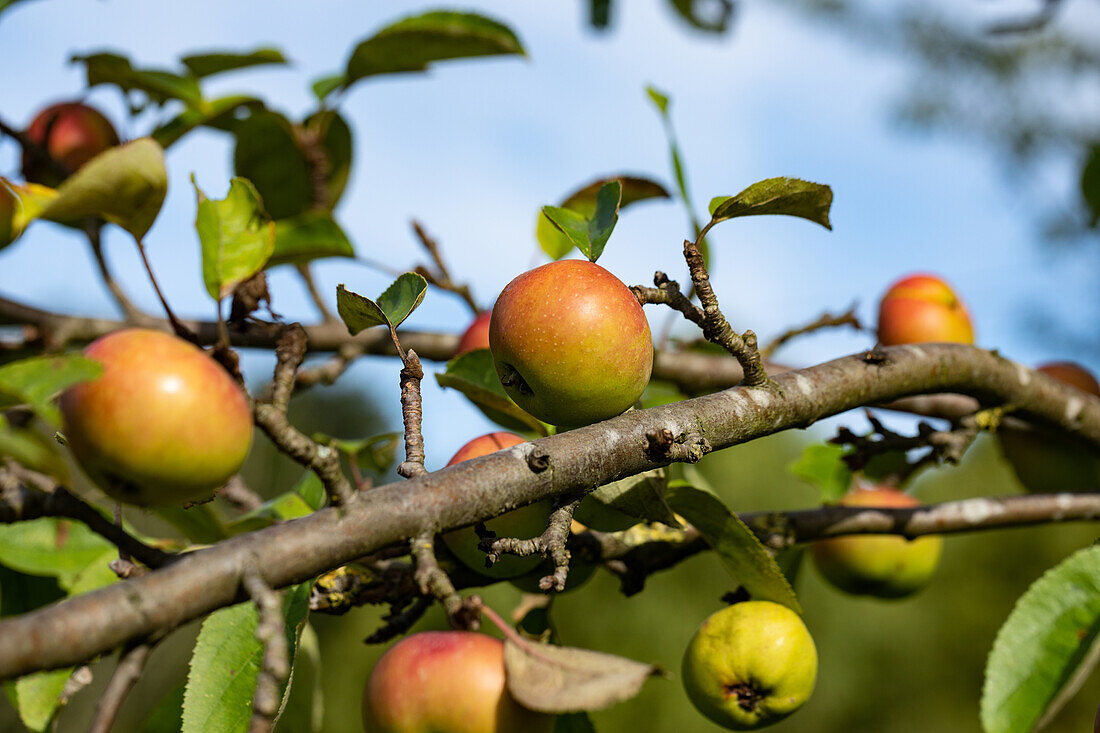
(72, 133)
(476, 336)
(1045, 460)
(750, 665)
(163, 424)
(445, 682)
(523, 523)
(570, 343)
(884, 566)
(921, 308)
(8, 205)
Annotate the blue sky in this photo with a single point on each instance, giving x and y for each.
(472, 149)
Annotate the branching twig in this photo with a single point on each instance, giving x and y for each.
(271, 417)
(399, 620)
(441, 276)
(827, 320)
(550, 544)
(668, 293)
(944, 446)
(715, 326)
(26, 495)
(434, 581)
(131, 663)
(93, 230)
(412, 412)
(275, 667)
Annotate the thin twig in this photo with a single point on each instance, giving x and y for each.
(441, 276)
(239, 496)
(181, 330)
(131, 663)
(826, 320)
(315, 295)
(275, 667)
(434, 581)
(550, 544)
(412, 413)
(93, 231)
(668, 293)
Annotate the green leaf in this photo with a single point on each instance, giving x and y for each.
(787, 196)
(574, 723)
(375, 453)
(237, 236)
(97, 574)
(226, 663)
(125, 185)
(660, 99)
(590, 235)
(267, 153)
(393, 306)
(217, 113)
(167, 716)
(412, 44)
(198, 523)
(208, 64)
(734, 543)
(290, 505)
(570, 225)
(159, 86)
(326, 85)
(59, 548)
(474, 375)
(1090, 185)
(1046, 646)
(821, 465)
(583, 201)
(20, 203)
(38, 696)
(37, 380)
(306, 237)
(641, 497)
(336, 142)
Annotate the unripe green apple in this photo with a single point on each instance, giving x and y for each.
(884, 566)
(163, 424)
(8, 205)
(1044, 460)
(750, 665)
(922, 308)
(570, 343)
(445, 682)
(524, 523)
(73, 133)
(476, 336)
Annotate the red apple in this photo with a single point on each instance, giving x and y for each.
(524, 523)
(73, 133)
(922, 308)
(885, 566)
(476, 336)
(1044, 460)
(163, 424)
(570, 343)
(445, 682)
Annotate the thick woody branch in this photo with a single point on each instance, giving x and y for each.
(715, 326)
(76, 629)
(130, 666)
(25, 495)
(275, 666)
(412, 413)
(271, 417)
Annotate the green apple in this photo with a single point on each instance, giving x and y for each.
(523, 523)
(163, 424)
(72, 133)
(570, 343)
(750, 665)
(1044, 460)
(921, 308)
(445, 682)
(884, 566)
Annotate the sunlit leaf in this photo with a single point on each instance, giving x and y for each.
(208, 64)
(237, 237)
(734, 543)
(59, 548)
(787, 196)
(392, 307)
(37, 380)
(217, 113)
(414, 43)
(124, 185)
(32, 449)
(474, 375)
(1046, 647)
(583, 201)
(558, 679)
(821, 465)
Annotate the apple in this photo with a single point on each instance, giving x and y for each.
(8, 206)
(526, 522)
(445, 682)
(72, 133)
(163, 424)
(921, 308)
(1044, 460)
(570, 343)
(750, 665)
(884, 566)
(476, 336)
